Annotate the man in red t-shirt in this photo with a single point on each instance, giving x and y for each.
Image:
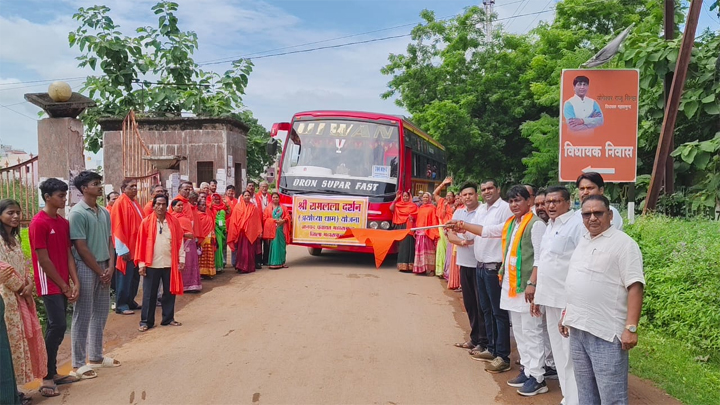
(54, 268)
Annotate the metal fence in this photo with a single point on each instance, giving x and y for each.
(20, 182)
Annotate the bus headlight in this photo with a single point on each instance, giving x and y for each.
(373, 225)
(385, 225)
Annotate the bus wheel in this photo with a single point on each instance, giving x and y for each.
(315, 251)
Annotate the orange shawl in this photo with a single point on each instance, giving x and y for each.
(269, 225)
(148, 208)
(189, 213)
(185, 223)
(146, 245)
(426, 217)
(125, 218)
(245, 219)
(444, 211)
(217, 207)
(403, 211)
(207, 223)
(231, 203)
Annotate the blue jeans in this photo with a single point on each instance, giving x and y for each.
(126, 287)
(601, 369)
(497, 321)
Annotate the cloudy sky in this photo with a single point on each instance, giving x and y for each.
(34, 48)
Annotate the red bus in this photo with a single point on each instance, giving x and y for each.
(349, 154)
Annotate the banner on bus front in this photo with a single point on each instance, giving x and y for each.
(321, 219)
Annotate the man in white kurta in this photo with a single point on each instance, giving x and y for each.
(563, 233)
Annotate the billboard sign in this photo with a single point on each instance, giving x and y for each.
(599, 123)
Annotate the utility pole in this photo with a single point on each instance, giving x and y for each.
(669, 22)
(671, 109)
(488, 6)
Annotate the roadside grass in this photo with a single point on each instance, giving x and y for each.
(25, 242)
(679, 342)
(675, 368)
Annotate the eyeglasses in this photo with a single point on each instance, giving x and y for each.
(549, 202)
(597, 214)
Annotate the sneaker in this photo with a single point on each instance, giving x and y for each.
(532, 387)
(550, 373)
(483, 356)
(518, 381)
(498, 365)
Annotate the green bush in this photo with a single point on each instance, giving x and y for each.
(682, 271)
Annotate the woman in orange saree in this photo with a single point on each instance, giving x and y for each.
(444, 211)
(404, 212)
(190, 273)
(451, 268)
(244, 229)
(208, 243)
(425, 239)
(276, 229)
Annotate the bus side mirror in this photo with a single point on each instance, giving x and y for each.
(272, 147)
(279, 126)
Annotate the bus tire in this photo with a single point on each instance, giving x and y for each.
(315, 251)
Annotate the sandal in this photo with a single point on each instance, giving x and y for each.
(173, 323)
(107, 362)
(49, 390)
(467, 345)
(84, 373)
(67, 379)
(143, 328)
(24, 399)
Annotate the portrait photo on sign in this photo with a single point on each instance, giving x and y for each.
(599, 123)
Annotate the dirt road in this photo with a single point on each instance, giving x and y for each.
(328, 330)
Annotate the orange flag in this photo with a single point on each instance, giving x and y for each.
(380, 240)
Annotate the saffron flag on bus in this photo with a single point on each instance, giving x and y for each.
(321, 219)
(599, 124)
(380, 240)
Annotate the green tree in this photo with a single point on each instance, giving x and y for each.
(154, 73)
(495, 106)
(466, 94)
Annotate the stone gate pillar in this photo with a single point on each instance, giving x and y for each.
(60, 136)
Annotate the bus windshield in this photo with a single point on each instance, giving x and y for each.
(341, 156)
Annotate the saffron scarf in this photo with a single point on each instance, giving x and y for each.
(426, 216)
(403, 211)
(269, 224)
(207, 223)
(245, 219)
(146, 245)
(217, 207)
(125, 218)
(514, 266)
(444, 211)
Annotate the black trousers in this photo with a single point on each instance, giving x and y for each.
(468, 282)
(151, 283)
(56, 310)
(265, 251)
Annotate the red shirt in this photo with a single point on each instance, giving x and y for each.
(52, 234)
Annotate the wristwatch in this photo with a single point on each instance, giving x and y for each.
(631, 328)
(531, 283)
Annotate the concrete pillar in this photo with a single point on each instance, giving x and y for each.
(60, 147)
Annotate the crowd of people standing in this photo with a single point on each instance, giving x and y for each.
(171, 243)
(568, 284)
